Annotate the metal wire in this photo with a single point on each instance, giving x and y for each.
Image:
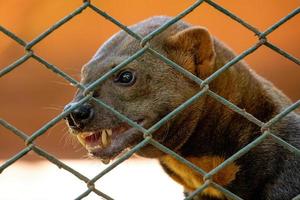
(262, 40)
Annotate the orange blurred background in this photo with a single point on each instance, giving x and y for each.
(31, 95)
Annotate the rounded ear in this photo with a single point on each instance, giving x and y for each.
(193, 49)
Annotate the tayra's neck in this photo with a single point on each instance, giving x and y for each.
(222, 131)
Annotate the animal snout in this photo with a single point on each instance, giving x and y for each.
(79, 117)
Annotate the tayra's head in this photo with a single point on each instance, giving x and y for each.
(145, 90)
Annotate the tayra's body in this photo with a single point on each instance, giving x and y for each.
(207, 132)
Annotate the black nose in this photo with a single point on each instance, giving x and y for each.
(79, 117)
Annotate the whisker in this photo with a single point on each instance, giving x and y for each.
(61, 83)
(55, 126)
(52, 108)
(86, 157)
(78, 148)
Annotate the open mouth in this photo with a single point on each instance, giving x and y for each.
(93, 140)
(110, 142)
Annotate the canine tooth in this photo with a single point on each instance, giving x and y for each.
(84, 135)
(109, 131)
(104, 138)
(81, 140)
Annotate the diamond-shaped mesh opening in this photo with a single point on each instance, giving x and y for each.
(10, 50)
(85, 28)
(273, 71)
(11, 145)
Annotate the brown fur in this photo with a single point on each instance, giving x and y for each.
(207, 132)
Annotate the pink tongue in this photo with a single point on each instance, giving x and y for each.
(92, 138)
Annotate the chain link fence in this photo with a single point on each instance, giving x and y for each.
(208, 182)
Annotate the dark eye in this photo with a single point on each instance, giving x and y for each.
(125, 78)
(96, 94)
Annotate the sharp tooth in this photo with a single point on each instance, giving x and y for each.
(84, 135)
(104, 138)
(81, 140)
(109, 131)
